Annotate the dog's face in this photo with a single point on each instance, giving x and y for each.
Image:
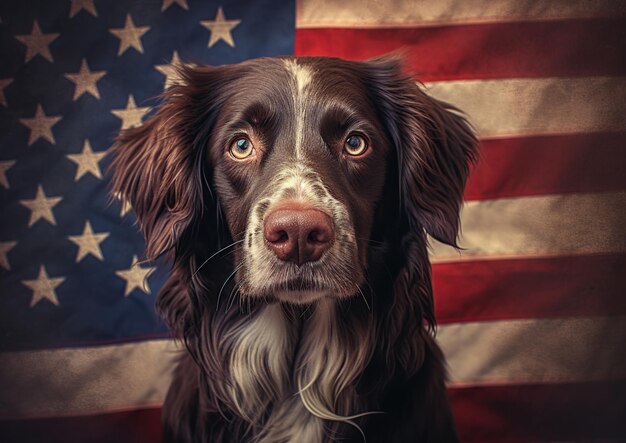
(299, 159)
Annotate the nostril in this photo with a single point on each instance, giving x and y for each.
(312, 238)
(277, 236)
(318, 237)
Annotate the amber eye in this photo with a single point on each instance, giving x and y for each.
(241, 148)
(355, 145)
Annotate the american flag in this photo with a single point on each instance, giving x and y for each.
(532, 313)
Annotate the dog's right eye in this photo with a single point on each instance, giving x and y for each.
(241, 148)
(355, 145)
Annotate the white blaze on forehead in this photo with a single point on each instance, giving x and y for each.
(302, 76)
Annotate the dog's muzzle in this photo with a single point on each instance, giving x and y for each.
(298, 233)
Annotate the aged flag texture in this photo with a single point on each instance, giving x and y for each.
(532, 312)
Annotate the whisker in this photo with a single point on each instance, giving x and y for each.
(363, 297)
(305, 311)
(369, 286)
(230, 296)
(208, 259)
(229, 303)
(373, 242)
(226, 281)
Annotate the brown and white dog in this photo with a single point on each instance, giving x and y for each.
(293, 197)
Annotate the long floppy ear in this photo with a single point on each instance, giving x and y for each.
(434, 148)
(161, 169)
(434, 145)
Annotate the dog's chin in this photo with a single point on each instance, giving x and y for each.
(301, 297)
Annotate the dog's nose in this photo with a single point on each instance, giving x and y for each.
(297, 233)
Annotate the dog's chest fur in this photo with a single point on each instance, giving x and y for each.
(286, 374)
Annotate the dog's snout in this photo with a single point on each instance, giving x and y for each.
(298, 234)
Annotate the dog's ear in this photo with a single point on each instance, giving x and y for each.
(434, 145)
(161, 167)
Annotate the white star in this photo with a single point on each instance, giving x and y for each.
(169, 70)
(88, 243)
(87, 162)
(4, 167)
(4, 82)
(4, 248)
(44, 287)
(79, 5)
(136, 277)
(40, 126)
(167, 3)
(132, 115)
(37, 43)
(130, 36)
(220, 28)
(41, 207)
(85, 81)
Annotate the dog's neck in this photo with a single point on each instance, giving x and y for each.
(287, 374)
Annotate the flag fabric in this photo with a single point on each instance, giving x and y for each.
(532, 312)
(83, 356)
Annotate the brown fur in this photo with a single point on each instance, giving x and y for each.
(360, 363)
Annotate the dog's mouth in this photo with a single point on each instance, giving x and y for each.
(299, 284)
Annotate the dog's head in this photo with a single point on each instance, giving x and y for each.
(311, 168)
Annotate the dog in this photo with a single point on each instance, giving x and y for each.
(293, 198)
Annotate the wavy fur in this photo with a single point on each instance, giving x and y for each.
(343, 368)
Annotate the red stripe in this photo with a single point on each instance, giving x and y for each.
(530, 288)
(541, 413)
(481, 51)
(138, 426)
(549, 165)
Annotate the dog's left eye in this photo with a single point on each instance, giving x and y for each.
(241, 148)
(355, 145)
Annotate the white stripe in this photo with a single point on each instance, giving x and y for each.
(548, 225)
(85, 380)
(380, 14)
(513, 107)
(302, 76)
(535, 351)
